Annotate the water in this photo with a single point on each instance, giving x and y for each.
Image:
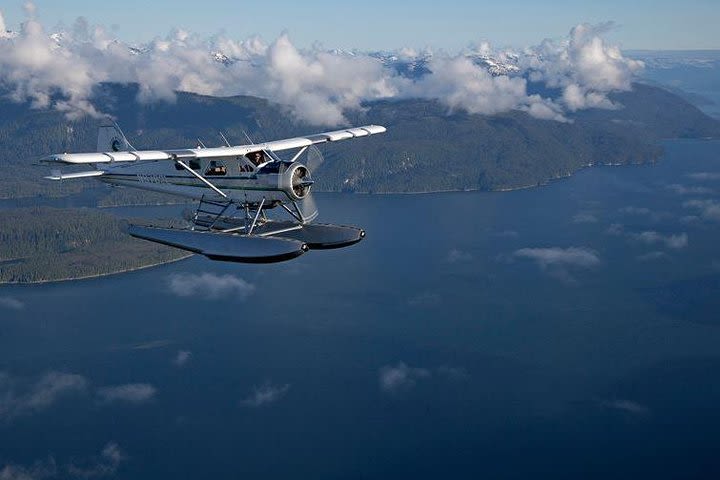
(435, 348)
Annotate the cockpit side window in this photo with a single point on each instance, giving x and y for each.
(256, 158)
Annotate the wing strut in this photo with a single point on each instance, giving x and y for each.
(200, 177)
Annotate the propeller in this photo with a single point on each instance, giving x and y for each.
(302, 182)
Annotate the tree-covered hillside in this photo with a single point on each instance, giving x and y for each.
(426, 147)
(46, 244)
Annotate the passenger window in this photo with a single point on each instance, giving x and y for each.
(215, 169)
(194, 164)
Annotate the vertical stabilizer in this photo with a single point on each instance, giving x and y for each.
(112, 139)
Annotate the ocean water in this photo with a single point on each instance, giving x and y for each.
(568, 331)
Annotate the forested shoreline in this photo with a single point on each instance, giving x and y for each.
(50, 244)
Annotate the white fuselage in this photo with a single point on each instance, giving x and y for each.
(236, 177)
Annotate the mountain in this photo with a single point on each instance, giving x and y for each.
(426, 147)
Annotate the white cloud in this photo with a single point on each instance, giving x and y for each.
(558, 262)
(631, 210)
(674, 241)
(319, 86)
(209, 286)
(100, 466)
(703, 176)
(563, 257)
(265, 394)
(627, 406)
(182, 357)
(104, 465)
(685, 190)
(130, 393)
(461, 84)
(458, 256)
(400, 377)
(584, 66)
(709, 209)
(11, 303)
(584, 217)
(650, 256)
(425, 300)
(615, 229)
(22, 397)
(38, 471)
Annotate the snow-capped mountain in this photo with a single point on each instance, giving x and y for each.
(8, 34)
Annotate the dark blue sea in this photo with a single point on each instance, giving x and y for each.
(568, 331)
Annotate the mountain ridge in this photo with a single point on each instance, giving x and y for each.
(427, 147)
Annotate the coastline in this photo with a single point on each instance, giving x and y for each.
(99, 275)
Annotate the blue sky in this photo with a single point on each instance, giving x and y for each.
(375, 24)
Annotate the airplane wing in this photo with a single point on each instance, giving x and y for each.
(156, 155)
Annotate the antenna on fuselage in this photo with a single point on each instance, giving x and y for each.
(201, 144)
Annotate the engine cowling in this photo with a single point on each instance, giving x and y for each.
(298, 181)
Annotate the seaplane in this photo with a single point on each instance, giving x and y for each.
(239, 190)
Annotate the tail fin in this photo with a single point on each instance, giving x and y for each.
(112, 139)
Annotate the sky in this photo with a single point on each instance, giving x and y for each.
(376, 24)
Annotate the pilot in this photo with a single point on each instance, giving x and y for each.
(256, 158)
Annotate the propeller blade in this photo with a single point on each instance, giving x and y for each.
(314, 158)
(308, 208)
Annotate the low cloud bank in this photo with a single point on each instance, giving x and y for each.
(129, 393)
(265, 394)
(19, 396)
(209, 286)
(59, 70)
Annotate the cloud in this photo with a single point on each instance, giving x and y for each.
(645, 212)
(105, 465)
(100, 466)
(561, 257)
(319, 86)
(38, 471)
(400, 377)
(584, 217)
(458, 256)
(631, 210)
(11, 303)
(265, 394)
(651, 256)
(558, 262)
(709, 209)
(460, 83)
(685, 190)
(425, 300)
(615, 229)
(674, 241)
(627, 406)
(584, 66)
(22, 397)
(209, 286)
(182, 357)
(134, 393)
(703, 176)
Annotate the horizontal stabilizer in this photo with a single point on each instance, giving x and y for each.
(224, 246)
(58, 175)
